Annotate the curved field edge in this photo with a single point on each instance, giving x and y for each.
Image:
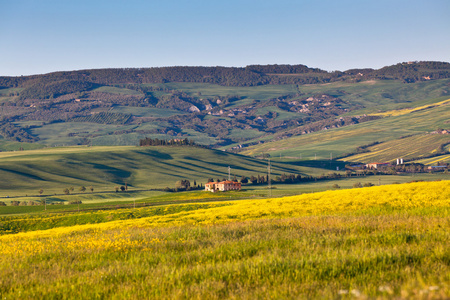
(417, 198)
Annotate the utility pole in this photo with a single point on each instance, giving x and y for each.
(229, 173)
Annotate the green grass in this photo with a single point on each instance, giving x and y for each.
(147, 112)
(116, 90)
(398, 252)
(96, 200)
(263, 92)
(6, 145)
(445, 158)
(310, 257)
(58, 133)
(54, 169)
(244, 133)
(381, 94)
(282, 115)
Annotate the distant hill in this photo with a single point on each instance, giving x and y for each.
(216, 106)
(228, 76)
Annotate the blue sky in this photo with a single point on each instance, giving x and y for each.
(41, 36)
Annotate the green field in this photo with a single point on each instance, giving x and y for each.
(6, 145)
(54, 169)
(59, 133)
(147, 112)
(263, 92)
(382, 95)
(116, 90)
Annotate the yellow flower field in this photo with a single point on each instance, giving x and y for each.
(405, 196)
(378, 242)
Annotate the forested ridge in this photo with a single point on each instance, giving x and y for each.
(229, 76)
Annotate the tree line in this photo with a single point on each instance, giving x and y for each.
(227, 76)
(172, 142)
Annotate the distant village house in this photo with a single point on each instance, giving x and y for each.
(376, 165)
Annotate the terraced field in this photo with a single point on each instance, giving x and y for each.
(339, 141)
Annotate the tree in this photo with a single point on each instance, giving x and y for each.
(183, 184)
(71, 188)
(92, 189)
(122, 188)
(116, 188)
(244, 179)
(82, 189)
(357, 185)
(66, 191)
(41, 191)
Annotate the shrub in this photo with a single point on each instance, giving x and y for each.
(75, 202)
(357, 185)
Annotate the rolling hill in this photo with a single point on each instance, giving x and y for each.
(409, 135)
(104, 168)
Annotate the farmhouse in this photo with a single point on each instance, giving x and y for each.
(437, 168)
(223, 186)
(376, 165)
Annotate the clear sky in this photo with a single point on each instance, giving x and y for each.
(41, 36)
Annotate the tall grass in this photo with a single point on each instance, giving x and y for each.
(378, 242)
(307, 257)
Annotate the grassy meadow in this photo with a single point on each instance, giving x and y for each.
(380, 242)
(104, 168)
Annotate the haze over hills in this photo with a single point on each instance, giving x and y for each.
(231, 108)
